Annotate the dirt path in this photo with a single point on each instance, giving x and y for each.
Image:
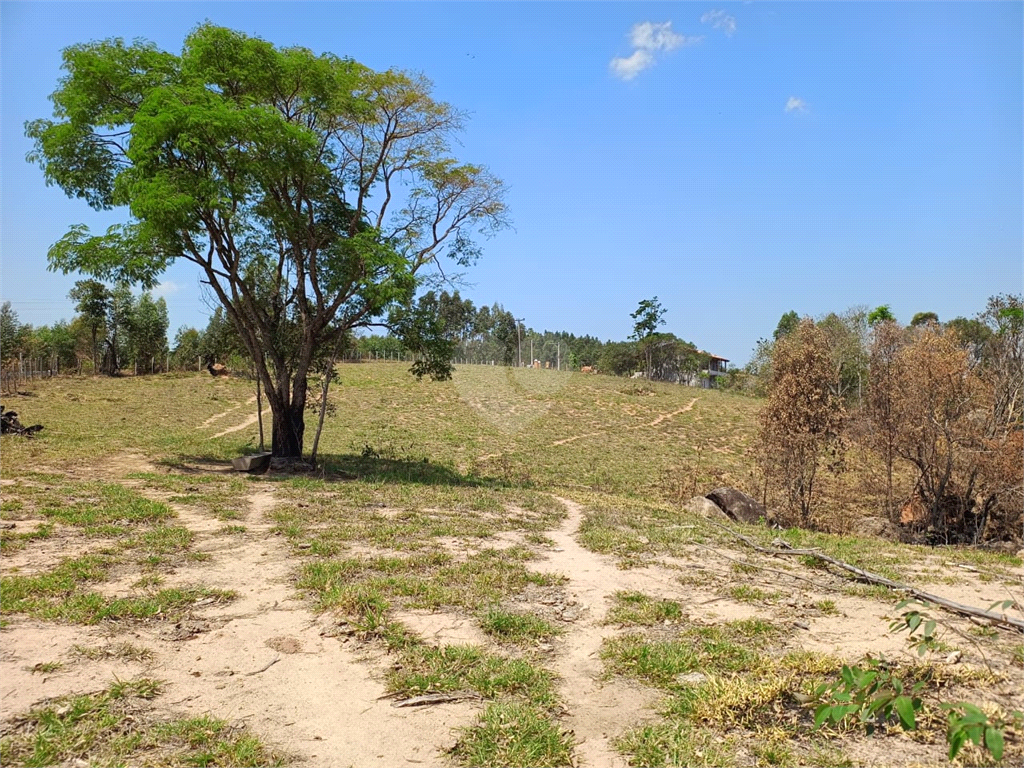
(664, 416)
(598, 711)
(222, 414)
(658, 420)
(247, 423)
(259, 660)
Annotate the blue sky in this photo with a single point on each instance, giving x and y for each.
(736, 160)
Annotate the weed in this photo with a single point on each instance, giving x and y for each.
(45, 667)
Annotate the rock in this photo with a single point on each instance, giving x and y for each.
(699, 505)
(954, 657)
(876, 526)
(738, 506)
(801, 625)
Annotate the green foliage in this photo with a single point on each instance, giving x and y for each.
(968, 722)
(922, 318)
(787, 324)
(15, 336)
(273, 171)
(648, 317)
(876, 695)
(872, 693)
(881, 314)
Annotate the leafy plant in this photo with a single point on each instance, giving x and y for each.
(873, 693)
(966, 721)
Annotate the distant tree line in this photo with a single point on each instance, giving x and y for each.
(113, 330)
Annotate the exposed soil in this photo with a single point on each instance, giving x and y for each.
(315, 695)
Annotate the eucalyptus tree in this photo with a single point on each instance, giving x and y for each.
(313, 193)
(91, 299)
(649, 316)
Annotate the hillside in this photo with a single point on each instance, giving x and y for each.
(495, 570)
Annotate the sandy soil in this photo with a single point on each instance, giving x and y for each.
(315, 695)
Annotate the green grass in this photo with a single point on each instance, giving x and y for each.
(516, 735)
(733, 647)
(639, 610)
(94, 505)
(744, 593)
(515, 627)
(11, 541)
(676, 742)
(114, 728)
(58, 595)
(469, 668)
(353, 586)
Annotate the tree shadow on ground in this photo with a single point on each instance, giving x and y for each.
(347, 467)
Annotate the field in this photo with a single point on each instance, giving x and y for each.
(497, 570)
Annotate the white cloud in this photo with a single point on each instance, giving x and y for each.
(796, 104)
(629, 68)
(648, 38)
(165, 288)
(720, 20)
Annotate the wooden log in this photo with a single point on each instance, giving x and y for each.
(873, 578)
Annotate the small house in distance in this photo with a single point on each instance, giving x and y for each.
(704, 373)
(717, 366)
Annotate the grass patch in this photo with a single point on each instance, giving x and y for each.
(11, 541)
(515, 735)
(93, 505)
(730, 648)
(827, 607)
(432, 580)
(638, 610)
(469, 668)
(744, 593)
(113, 728)
(676, 743)
(515, 627)
(55, 596)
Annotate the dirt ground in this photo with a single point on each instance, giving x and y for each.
(316, 695)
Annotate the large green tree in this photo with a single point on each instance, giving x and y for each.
(312, 192)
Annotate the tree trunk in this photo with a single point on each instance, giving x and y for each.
(287, 431)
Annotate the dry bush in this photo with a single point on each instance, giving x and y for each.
(950, 425)
(803, 419)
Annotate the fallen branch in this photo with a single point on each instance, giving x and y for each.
(873, 578)
(265, 667)
(436, 698)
